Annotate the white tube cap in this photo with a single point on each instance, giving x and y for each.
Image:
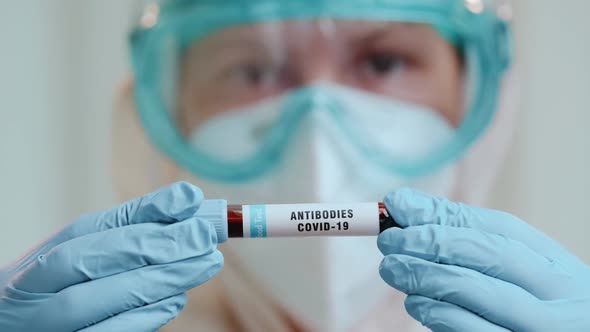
(215, 212)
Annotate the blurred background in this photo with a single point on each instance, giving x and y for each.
(61, 62)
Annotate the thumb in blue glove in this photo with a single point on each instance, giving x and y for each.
(471, 269)
(125, 269)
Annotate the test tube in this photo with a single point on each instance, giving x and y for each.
(303, 220)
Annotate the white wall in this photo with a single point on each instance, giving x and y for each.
(60, 62)
(547, 178)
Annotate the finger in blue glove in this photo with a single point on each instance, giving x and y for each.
(486, 262)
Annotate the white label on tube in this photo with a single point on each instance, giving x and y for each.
(357, 219)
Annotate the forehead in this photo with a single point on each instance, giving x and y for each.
(292, 32)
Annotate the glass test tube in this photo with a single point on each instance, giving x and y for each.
(297, 220)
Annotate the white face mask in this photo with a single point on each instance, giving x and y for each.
(329, 283)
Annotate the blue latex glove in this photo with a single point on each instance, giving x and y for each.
(473, 269)
(125, 269)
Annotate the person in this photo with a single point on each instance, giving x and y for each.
(266, 101)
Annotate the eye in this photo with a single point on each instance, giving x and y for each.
(255, 75)
(383, 64)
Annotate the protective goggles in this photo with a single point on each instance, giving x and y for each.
(194, 60)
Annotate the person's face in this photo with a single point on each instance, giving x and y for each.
(245, 64)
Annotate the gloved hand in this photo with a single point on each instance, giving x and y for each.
(473, 269)
(125, 269)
